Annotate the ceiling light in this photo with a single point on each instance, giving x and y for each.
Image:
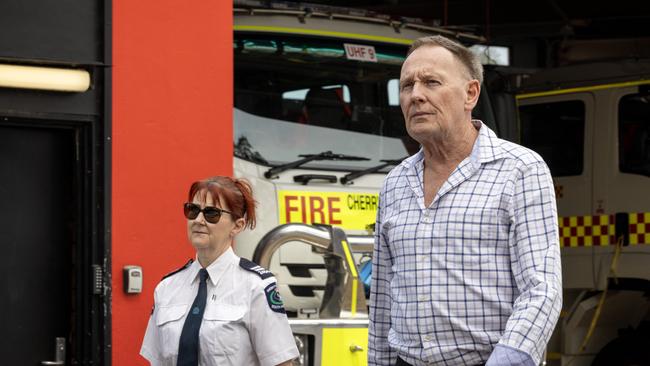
(44, 78)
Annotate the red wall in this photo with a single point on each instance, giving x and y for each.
(172, 124)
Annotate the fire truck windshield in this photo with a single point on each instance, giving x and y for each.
(305, 95)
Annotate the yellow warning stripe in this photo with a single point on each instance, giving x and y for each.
(586, 231)
(355, 276)
(639, 228)
(314, 32)
(349, 259)
(582, 89)
(353, 306)
(600, 230)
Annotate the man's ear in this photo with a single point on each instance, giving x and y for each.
(473, 92)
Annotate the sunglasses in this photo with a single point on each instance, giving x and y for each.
(211, 214)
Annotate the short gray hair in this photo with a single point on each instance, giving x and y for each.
(463, 54)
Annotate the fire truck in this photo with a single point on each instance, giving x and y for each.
(591, 124)
(317, 125)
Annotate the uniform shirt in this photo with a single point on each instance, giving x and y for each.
(242, 323)
(479, 266)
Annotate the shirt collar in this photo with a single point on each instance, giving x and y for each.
(486, 148)
(217, 268)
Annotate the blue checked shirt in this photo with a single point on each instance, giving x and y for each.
(478, 268)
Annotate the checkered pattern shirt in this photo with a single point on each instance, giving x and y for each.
(479, 267)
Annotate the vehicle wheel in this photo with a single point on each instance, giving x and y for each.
(629, 350)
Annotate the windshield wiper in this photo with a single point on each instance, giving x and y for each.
(348, 178)
(244, 150)
(272, 173)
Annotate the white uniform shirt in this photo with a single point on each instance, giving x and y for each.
(239, 325)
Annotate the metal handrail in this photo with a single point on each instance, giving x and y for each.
(343, 290)
(317, 236)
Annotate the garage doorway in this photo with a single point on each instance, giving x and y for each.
(47, 300)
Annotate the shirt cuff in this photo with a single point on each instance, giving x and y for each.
(279, 357)
(150, 356)
(507, 356)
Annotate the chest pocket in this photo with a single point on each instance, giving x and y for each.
(223, 331)
(169, 320)
(475, 236)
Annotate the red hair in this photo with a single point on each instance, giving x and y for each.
(236, 194)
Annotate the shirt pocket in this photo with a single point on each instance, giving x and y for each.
(223, 329)
(169, 320)
(474, 236)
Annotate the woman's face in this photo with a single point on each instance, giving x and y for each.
(217, 237)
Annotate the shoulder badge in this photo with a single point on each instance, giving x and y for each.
(273, 298)
(253, 267)
(187, 265)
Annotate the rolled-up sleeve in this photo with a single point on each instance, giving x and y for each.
(535, 260)
(506, 356)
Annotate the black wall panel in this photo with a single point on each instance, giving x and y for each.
(65, 31)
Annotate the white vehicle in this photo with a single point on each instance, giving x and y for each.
(591, 124)
(317, 125)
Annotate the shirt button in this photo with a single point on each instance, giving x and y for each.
(423, 298)
(428, 338)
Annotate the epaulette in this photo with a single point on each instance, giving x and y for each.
(187, 265)
(255, 268)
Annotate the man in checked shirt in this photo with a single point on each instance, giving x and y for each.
(466, 265)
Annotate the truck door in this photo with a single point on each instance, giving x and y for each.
(561, 128)
(623, 180)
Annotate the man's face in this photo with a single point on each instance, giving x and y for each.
(435, 93)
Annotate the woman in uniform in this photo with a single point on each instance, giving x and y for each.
(218, 309)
